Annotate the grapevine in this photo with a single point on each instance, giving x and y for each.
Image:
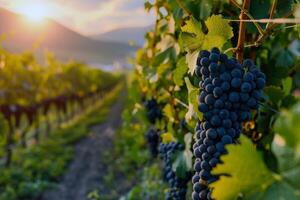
(227, 70)
(211, 108)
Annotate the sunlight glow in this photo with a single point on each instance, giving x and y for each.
(34, 12)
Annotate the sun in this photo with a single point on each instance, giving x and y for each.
(34, 12)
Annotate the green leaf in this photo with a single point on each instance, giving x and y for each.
(188, 41)
(259, 10)
(288, 126)
(192, 36)
(148, 6)
(275, 94)
(179, 165)
(219, 32)
(249, 178)
(248, 173)
(200, 9)
(285, 58)
(192, 26)
(193, 93)
(287, 85)
(205, 8)
(289, 163)
(278, 190)
(183, 161)
(162, 56)
(289, 101)
(192, 39)
(284, 7)
(180, 71)
(169, 112)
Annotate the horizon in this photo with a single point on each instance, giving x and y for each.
(94, 22)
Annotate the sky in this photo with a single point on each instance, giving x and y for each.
(88, 16)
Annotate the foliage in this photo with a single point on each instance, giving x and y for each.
(151, 186)
(165, 67)
(25, 82)
(38, 167)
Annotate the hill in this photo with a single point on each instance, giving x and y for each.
(22, 34)
(124, 35)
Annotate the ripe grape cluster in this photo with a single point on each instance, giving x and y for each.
(152, 137)
(178, 186)
(153, 110)
(228, 92)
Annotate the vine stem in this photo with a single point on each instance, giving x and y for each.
(181, 103)
(268, 30)
(259, 28)
(181, 4)
(242, 32)
(272, 11)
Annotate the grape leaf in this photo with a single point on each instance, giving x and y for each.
(275, 94)
(250, 178)
(169, 112)
(286, 144)
(193, 39)
(200, 9)
(288, 127)
(183, 162)
(162, 56)
(285, 58)
(180, 71)
(258, 9)
(288, 162)
(287, 85)
(193, 93)
(192, 36)
(247, 170)
(148, 6)
(188, 41)
(219, 32)
(285, 7)
(193, 26)
(205, 8)
(289, 101)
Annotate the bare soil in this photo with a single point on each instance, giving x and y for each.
(88, 170)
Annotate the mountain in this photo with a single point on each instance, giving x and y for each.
(21, 34)
(125, 35)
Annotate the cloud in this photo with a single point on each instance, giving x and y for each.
(93, 16)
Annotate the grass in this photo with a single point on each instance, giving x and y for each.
(36, 168)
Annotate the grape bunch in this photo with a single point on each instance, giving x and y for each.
(153, 110)
(178, 186)
(228, 92)
(152, 138)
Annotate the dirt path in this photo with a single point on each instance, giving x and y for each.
(87, 171)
